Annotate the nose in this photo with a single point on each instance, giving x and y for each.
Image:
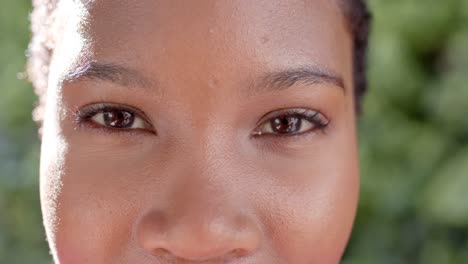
(202, 223)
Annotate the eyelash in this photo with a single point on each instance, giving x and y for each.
(85, 115)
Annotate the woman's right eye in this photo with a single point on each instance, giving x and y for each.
(112, 116)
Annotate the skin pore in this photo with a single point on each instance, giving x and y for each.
(208, 131)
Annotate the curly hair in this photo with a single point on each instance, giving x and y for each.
(41, 47)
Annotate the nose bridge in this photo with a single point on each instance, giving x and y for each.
(206, 217)
(203, 192)
(200, 192)
(211, 154)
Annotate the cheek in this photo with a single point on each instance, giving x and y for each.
(314, 222)
(87, 199)
(311, 212)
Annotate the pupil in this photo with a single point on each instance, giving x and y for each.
(119, 119)
(283, 125)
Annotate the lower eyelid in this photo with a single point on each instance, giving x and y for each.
(105, 131)
(278, 143)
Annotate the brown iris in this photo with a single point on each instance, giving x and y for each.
(119, 118)
(286, 124)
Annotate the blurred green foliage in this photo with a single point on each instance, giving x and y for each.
(21, 232)
(414, 136)
(413, 139)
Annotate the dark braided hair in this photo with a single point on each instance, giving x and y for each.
(41, 47)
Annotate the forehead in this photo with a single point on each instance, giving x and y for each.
(208, 35)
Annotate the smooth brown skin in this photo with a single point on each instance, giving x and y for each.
(202, 189)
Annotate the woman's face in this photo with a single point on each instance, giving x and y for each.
(206, 131)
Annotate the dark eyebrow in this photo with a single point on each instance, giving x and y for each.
(283, 79)
(277, 80)
(114, 73)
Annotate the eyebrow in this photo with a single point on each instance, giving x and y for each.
(306, 75)
(271, 81)
(114, 73)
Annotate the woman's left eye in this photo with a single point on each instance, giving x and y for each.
(291, 122)
(113, 117)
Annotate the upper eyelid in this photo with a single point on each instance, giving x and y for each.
(99, 107)
(290, 111)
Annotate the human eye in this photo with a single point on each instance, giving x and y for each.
(291, 122)
(113, 117)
